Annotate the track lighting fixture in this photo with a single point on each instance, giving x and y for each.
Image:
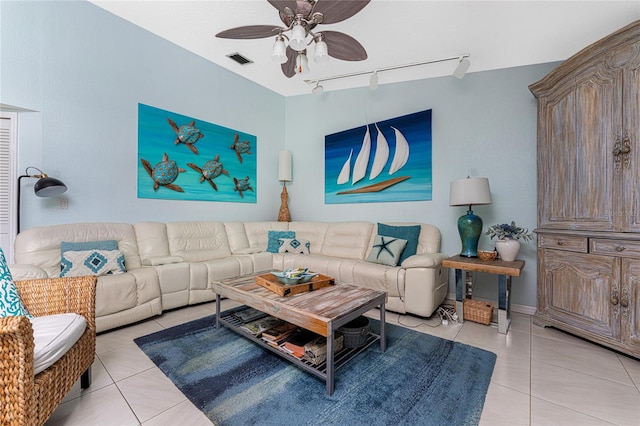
(461, 69)
(373, 81)
(317, 90)
(459, 72)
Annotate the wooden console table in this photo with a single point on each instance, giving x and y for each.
(504, 270)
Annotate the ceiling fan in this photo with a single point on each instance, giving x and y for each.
(300, 18)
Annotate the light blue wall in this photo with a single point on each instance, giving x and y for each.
(483, 125)
(84, 71)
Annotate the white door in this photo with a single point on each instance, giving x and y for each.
(7, 182)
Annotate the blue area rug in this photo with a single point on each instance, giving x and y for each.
(419, 380)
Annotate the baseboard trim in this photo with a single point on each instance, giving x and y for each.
(521, 309)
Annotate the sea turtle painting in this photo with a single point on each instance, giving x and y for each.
(240, 148)
(242, 185)
(164, 173)
(211, 170)
(187, 134)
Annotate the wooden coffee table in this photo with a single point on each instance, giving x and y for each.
(321, 311)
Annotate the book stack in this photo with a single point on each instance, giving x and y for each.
(278, 335)
(298, 339)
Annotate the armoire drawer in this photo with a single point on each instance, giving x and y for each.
(615, 247)
(563, 242)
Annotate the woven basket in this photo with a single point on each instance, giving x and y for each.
(477, 311)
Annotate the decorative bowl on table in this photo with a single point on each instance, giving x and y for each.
(487, 255)
(294, 276)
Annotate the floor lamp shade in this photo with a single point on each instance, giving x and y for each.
(467, 192)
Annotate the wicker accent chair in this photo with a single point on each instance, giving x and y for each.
(29, 400)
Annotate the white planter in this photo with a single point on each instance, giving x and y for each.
(508, 249)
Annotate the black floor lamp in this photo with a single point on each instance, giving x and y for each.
(45, 187)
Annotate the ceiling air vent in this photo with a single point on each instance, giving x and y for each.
(239, 58)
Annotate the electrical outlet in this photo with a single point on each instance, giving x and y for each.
(63, 204)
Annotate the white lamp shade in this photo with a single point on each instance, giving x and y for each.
(298, 36)
(322, 52)
(469, 191)
(279, 51)
(284, 169)
(302, 64)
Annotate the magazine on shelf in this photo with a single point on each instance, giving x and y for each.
(258, 326)
(249, 314)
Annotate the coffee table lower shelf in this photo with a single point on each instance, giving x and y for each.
(340, 358)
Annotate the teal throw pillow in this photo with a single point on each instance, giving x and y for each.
(386, 250)
(10, 303)
(273, 244)
(410, 233)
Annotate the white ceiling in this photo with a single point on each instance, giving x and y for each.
(497, 34)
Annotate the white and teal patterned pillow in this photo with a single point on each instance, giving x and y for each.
(91, 258)
(293, 245)
(386, 250)
(273, 242)
(10, 303)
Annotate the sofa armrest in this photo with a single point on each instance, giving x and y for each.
(60, 295)
(424, 260)
(162, 260)
(27, 272)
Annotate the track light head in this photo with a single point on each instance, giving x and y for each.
(462, 68)
(373, 81)
(318, 89)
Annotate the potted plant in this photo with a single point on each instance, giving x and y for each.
(508, 235)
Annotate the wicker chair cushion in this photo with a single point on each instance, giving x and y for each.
(10, 303)
(53, 336)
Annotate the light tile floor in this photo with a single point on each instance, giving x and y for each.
(542, 377)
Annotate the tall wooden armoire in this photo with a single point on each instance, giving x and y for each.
(589, 193)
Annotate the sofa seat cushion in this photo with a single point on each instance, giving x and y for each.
(53, 336)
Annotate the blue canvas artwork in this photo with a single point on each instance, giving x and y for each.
(182, 158)
(387, 161)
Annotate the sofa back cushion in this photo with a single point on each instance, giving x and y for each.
(347, 239)
(258, 232)
(40, 246)
(198, 241)
(152, 239)
(314, 232)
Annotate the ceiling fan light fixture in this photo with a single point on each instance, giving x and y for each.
(321, 49)
(298, 37)
(462, 68)
(302, 64)
(279, 54)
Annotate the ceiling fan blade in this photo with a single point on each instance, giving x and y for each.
(343, 46)
(339, 10)
(249, 32)
(289, 67)
(282, 4)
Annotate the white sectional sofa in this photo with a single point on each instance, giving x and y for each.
(169, 265)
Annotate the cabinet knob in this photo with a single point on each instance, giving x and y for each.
(614, 299)
(620, 249)
(561, 243)
(624, 303)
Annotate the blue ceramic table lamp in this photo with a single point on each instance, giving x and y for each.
(467, 192)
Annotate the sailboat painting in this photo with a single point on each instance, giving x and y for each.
(386, 161)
